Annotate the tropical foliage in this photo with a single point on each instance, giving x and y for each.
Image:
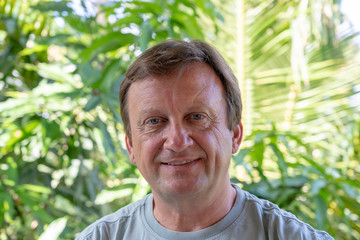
(302, 112)
(62, 157)
(63, 164)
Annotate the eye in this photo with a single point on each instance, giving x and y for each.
(196, 116)
(153, 121)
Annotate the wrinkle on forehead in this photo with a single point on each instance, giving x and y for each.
(197, 88)
(203, 87)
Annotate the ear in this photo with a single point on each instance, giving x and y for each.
(129, 148)
(237, 137)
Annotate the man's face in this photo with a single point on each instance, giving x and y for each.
(180, 139)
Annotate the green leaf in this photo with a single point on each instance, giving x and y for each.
(92, 103)
(145, 36)
(6, 208)
(317, 185)
(257, 153)
(12, 170)
(109, 76)
(35, 188)
(54, 72)
(320, 212)
(35, 49)
(239, 158)
(51, 132)
(109, 42)
(145, 7)
(81, 26)
(46, 6)
(127, 20)
(107, 142)
(286, 196)
(54, 229)
(18, 135)
(90, 186)
(107, 196)
(10, 25)
(352, 204)
(280, 160)
(296, 181)
(58, 39)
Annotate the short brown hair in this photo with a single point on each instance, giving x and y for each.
(169, 56)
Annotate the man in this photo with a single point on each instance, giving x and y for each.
(181, 109)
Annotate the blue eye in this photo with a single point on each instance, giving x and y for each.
(154, 121)
(197, 116)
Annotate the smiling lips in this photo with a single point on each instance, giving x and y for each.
(179, 163)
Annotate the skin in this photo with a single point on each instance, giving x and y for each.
(181, 143)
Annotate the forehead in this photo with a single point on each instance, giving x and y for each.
(187, 80)
(196, 87)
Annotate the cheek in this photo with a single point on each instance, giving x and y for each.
(147, 148)
(222, 144)
(222, 136)
(216, 143)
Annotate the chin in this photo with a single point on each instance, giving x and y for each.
(182, 188)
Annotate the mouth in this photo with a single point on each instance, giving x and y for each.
(180, 163)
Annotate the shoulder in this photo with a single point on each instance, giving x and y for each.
(116, 222)
(280, 223)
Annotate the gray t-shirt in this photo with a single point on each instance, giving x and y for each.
(250, 218)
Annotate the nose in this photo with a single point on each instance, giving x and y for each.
(178, 138)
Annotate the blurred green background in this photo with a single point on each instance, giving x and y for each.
(62, 158)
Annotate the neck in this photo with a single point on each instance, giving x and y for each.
(194, 213)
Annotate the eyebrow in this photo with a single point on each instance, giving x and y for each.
(149, 111)
(199, 106)
(144, 113)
